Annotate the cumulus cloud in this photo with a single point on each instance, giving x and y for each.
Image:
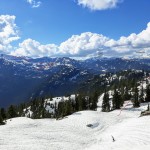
(133, 43)
(34, 3)
(33, 48)
(8, 32)
(84, 44)
(98, 4)
(89, 44)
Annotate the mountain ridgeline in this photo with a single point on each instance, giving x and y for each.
(23, 79)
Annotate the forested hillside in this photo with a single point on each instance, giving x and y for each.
(113, 88)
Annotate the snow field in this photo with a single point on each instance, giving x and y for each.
(71, 133)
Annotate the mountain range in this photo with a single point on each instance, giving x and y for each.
(23, 78)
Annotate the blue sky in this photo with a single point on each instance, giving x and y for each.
(46, 27)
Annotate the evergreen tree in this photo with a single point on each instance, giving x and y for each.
(12, 112)
(36, 107)
(33, 105)
(77, 102)
(147, 98)
(117, 101)
(94, 100)
(43, 113)
(105, 103)
(141, 96)
(126, 96)
(3, 113)
(55, 109)
(136, 97)
(80, 102)
(73, 106)
(20, 109)
(122, 92)
(68, 107)
(1, 119)
(60, 110)
(84, 103)
(90, 103)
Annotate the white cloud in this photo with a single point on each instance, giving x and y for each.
(84, 44)
(98, 4)
(133, 43)
(88, 44)
(8, 32)
(34, 3)
(33, 48)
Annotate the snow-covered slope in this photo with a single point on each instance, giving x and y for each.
(128, 129)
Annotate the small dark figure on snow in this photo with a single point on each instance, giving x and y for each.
(113, 138)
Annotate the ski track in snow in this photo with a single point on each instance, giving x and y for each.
(71, 133)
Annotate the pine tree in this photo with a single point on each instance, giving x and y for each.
(84, 103)
(1, 119)
(55, 109)
(126, 96)
(141, 96)
(60, 110)
(122, 92)
(76, 103)
(147, 98)
(80, 102)
(33, 106)
(136, 97)
(43, 113)
(68, 107)
(105, 103)
(20, 109)
(12, 113)
(94, 100)
(3, 113)
(117, 101)
(90, 103)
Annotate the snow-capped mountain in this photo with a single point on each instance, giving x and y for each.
(22, 78)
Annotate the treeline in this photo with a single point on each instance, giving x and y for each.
(119, 96)
(125, 87)
(80, 103)
(109, 80)
(62, 108)
(11, 112)
(36, 108)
